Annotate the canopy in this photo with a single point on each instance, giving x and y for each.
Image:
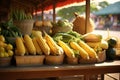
(37, 5)
(111, 9)
(58, 3)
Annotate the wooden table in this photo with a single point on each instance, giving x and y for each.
(45, 71)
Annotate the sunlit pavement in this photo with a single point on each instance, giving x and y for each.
(115, 76)
(105, 34)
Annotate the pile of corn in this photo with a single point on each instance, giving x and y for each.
(39, 45)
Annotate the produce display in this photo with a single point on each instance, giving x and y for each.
(20, 15)
(8, 29)
(59, 47)
(96, 42)
(45, 25)
(6, 50)
(62, 26)
(63, 23)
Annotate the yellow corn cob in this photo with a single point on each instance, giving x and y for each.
(93, 44)
(29, 44)
(38, 49)
(68, 51)
(26, 51)
(43, 45)
(20, 46)
(89, 50)
(82, 52)
(54, 48)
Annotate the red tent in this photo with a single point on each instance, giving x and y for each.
(47, 5)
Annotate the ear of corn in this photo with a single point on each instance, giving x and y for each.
(26, 51)
(29, 44)
(68, 51)
(43, 45)
(88, 49)
(82, 52)
(20, 48)
(54, 48)
(38, 49)
(93, 45)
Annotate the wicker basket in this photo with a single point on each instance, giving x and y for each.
(61, 29)
(29, 60)
(72, 60)
(54, 60)
(25, 26)
(90, 61)
(101, 58)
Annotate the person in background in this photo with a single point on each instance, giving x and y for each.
(108, 23)
(115, 23)
(99, 23)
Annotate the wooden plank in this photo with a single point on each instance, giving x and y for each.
(58, 70)
(54, 12)
(87, 14)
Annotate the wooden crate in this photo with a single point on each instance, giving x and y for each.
(54, 60)
(6, 61)
(29, 60)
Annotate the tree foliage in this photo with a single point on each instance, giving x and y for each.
(103, 4)
(68, 13)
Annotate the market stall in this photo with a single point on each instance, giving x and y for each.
(56, 49)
